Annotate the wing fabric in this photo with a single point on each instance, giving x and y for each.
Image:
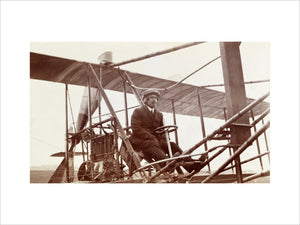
(183, 96)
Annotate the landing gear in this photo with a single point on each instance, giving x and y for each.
(109, 171)
(85, 171)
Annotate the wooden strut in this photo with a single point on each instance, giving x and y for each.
(246, 82)
(229, 149)
(174, 119)
(67, 135)
(90, 119)
(266, 141)
(226, 124)
(99, 98)
(174, 158)
(118, 124)
(202, 124)
(126, 108)
(264, 114)
(241, 149)
(248, 160)
(208, 161)
(64, 167)
(257, 142)
(257, 175)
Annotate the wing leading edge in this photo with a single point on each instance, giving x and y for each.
(184, 97)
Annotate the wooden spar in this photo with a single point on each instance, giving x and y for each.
(240, 150)
(266, 112)
(67, 134)
(106, 57)
(202, 123)
(82, 150)
(247, 82)
(90, 119)
(257, 175)
(248, 160)
(99, 99)
(229, 149)
(225, 115)
(209, 160)
(168, 143)
(89, 102)
(257, 143)
(174, 119)
(89, 105)
(227, 123)
(266, 140)
(207, 138)
(118, 124)
(235, 94)
(155, 54)
(126, 108)
(183, 157)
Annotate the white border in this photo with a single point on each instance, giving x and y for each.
(23, 22)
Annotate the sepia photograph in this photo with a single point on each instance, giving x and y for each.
(157, 112)
(150, 112)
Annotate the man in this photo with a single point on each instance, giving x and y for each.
(144, 121)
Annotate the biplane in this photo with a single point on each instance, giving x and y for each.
(107, 153)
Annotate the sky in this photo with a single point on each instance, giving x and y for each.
(47, 101)
(25, 22)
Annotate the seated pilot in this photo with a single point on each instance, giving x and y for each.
(144, 121)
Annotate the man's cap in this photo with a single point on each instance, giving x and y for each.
(150, 92)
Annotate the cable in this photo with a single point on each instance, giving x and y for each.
(172, 86)
(71, 111)
(45, 142)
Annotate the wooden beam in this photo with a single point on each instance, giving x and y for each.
(235, 94)
(202, 124)
(118, 124)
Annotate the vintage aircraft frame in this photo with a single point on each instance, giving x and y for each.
(192, 100)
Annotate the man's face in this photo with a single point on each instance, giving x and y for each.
(151, 101)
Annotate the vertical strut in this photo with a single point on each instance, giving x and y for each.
(235, 95)
(99, 99)
(257, 143)
(229, 148)
(202, 124)
(174, 119)
(266, 140)
(90, 119)
(67, 135)
(126, 108)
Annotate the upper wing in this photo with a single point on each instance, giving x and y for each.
(183, 96)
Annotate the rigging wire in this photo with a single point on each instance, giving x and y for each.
(172, 86)
(246, 82)
(45, 142)
(71, 111)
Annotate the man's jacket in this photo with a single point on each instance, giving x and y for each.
(143, 124)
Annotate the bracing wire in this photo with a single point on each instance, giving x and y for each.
(71, 110)
(45, 142)
(172, 86)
